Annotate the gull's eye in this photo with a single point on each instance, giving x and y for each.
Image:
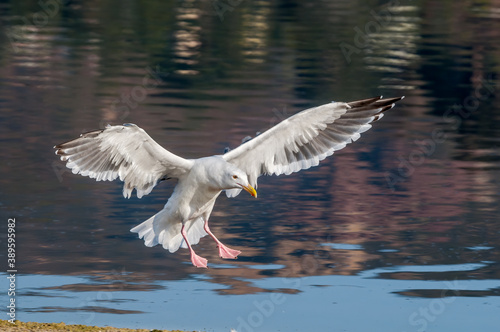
(235, 176)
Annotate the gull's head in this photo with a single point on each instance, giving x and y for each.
(240, 181)
(235, 178)
(221, 175)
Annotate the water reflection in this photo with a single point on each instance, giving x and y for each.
(391, 41)
(187, 38)
(255, 32)
(400, 205)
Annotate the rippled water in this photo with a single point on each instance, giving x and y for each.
(399, 230)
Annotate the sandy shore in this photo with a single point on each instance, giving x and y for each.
(18, 326)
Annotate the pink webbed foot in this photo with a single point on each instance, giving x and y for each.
(198, 261)
(226, 252)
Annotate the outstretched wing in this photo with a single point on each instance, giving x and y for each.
(127, 152)
(306, 138)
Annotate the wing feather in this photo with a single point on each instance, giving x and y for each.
(306, 138)
(126, 152)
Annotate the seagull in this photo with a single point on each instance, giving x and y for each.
(129, 153)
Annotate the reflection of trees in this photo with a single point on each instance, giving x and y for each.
(220, 82)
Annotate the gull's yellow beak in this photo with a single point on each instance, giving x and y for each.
(250, 190)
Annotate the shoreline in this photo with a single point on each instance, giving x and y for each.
(18, 326)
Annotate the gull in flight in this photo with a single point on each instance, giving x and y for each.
(129, 153)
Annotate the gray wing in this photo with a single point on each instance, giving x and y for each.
(127, 152)
(306, 138)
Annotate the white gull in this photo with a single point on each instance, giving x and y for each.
(129, 153)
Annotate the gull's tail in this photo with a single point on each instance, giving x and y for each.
(161, 229)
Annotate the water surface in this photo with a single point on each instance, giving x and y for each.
(399, 230)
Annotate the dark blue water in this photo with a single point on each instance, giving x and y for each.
(399, 230)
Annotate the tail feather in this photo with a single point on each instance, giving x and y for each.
(160, 229)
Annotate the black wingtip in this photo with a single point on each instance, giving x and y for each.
(364, 102)
(387, 101)
(372, 103)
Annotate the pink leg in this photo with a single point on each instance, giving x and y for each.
(224, 251)
(197, 261)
